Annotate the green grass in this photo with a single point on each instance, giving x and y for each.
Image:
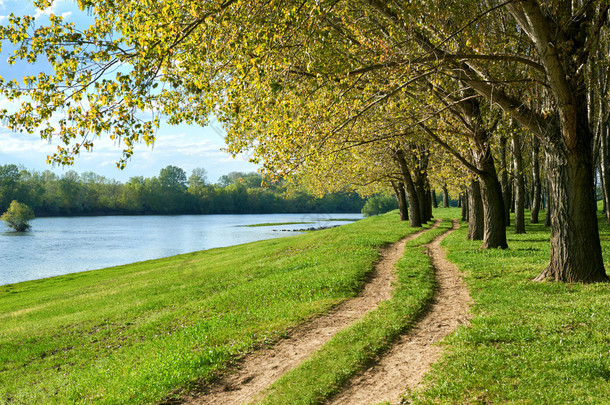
(140, 332)
(276, 223)
(529, 343)
(144, 332)
(352, 349)
(301, 223)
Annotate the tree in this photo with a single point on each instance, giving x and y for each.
(379, 204)
(9, 177)
(296, 80)
(198, 178)
(172, 177)
(18, 216)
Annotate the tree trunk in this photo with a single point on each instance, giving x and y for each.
(547, 215)
(445, 196)
(494, 217)
(475, 211)
(428, 200)
(464, 200)
(399, 193)
(576, 254)
(605, 167)
(506, 194)
(414, 210)
(434, 201)
(526, 193)
(604, 198)
(424, 199)
(519, 185)
(536, 193)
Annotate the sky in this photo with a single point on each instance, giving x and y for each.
(188, 147)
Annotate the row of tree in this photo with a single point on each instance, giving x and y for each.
(171, 192)
(375, 94)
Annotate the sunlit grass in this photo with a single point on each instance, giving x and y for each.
(137, 333)
(534, 343)
(352, 349)
(276, 224)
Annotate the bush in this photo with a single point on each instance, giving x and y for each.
(379, 204)
(17, 216)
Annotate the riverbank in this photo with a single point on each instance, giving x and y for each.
(155, 331)
(57, 246)
(136, 333)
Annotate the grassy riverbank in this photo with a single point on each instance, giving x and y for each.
(137, 333)
(531, 343)
(355, 347)
(144, 332)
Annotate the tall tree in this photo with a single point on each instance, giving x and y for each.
(519, 184)
(323, 68)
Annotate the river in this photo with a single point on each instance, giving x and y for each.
(57, 246)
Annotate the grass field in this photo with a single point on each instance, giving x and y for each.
(529, 343)
(137, 333)
(142, 333)
(353, 349)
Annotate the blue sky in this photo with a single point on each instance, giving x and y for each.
(188, 147)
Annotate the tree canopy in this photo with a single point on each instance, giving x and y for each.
(353, 91)
(18, 216)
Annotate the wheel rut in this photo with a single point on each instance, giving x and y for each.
(403, 367)
(260, 369)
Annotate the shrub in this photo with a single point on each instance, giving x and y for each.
(379, 204)
(17, 216)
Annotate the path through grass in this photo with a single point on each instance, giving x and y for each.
(137, 333)
(529, 343)
(355, 347)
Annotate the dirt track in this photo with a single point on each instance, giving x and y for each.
(403, 367)
(261, 369)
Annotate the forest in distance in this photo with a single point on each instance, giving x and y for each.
(171, 192)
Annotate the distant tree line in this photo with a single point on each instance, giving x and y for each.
(171, 192)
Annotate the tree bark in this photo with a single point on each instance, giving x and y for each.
(547, 215)
(519, 185)
(475, 212)
(445, 196)
(420, 179)
(506, 191)
(434, 201)
(414, 210)
(536, 193)
(400, 194)
(494, 235)
(605, 167)
(428, 201)
(464, 203)
(575, 245)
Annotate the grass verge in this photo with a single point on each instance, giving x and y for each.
(352, 349)
(529, 343)
(276, 224)
(138, 333)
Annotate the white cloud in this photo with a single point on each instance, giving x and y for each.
(54, 9)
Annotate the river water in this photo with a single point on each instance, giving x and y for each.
(57, 246)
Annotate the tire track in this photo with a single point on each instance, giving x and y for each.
(259, 370)
(402, 368)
